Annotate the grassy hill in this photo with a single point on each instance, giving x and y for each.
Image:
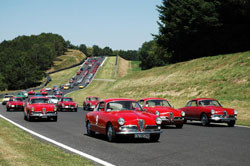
(224, 77)
(69, 58)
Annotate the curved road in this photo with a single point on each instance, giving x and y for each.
(192, 145)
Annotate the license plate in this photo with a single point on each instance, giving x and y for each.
(141, 135)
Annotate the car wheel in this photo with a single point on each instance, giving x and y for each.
(75, 109)
(231, 123)
(25, 117)
(204, 120)
(29, 118)
(154, 137)
(55, 119)
(110, 133)
(7, 109)
(179, 126)
(185, 121)
(89, 131)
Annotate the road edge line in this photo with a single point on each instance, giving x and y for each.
(95, 159)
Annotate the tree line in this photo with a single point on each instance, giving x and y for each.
(190, 29)
(24, 60)
(95, 50)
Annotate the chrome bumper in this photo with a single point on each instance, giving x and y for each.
(138, 132)
(40, 115)
(221, 119)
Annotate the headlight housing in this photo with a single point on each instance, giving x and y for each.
(158, 120)
(76, 105)
(32, 109)
(55, 109)
(212, 112)
(157, 113)
(121, 121)
(183, 113)
(235, 112)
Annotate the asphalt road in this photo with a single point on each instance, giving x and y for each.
(192, 145)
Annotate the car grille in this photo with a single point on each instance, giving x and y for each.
(225, 113)
(130, 128)
(177, 118)
(141, 123)
(171, 116)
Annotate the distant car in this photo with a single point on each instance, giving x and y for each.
(43, 90)
(81, 86)
(122, 117)
(58, 93)
(6, 98)
(79, 72)
(48, 89)
(44, 93)
(65, 87)
(31, 92)
(162, 108)
(53, 99)
(39, 108)
(15, 104)
(21, 94)
(90, 102)
(209, 110)
(71, 81)
(67, 103)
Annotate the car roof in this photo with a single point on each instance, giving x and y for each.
(117, 99)
(203, 99)
(39, 97)
(153, 98)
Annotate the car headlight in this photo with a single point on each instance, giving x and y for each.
(183, 113)
(121, 121)
(235, 112)
(76, 106)
(158, 120)
(32, 109)
(212, 112)
(55, 109)
(157, 113)
(9, 105)
(90, 104)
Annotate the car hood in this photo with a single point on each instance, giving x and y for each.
(132, 117)
(93, 102)
(220, 110)
(39, 107)
(15, 102)
(164, 110)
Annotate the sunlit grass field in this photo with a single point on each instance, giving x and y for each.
(17, 148)
(223, 77)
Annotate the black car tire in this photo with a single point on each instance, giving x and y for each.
(204, 120)
(89, 131)
(110, 133)
(154, 137)
(179, 126)
(231, 123)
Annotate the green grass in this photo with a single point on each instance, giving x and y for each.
(135, 66)
(224, 77)
(19, 148)
(107, 70)
(62, 77)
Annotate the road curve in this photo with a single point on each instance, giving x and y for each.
(193, 145)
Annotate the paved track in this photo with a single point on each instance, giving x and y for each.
(192, 145)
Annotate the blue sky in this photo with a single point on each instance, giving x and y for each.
(119, 24)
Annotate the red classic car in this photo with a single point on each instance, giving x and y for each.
(117, 117)
(90, 102)
(31, 92)
(164, 110)
(39, 107)
(43, 90)
(67, 103)
(15, 103)
(209, 110)
(44, 93)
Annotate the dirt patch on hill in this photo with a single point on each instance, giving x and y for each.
(124, 67)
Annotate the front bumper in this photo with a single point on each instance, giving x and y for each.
(41, 115)
(138, 132)
(69, 108)
(220, 118)
(175, 120)
(16, 107)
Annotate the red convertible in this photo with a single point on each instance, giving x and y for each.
(15, 103)
(90, 102)
(67, 103)
(40, 108)
(122, 117)
(31, 92)
(164, 110)
(209, 110)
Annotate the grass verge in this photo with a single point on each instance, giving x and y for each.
(19, 148)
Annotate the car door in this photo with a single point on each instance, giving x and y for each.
(96, 118)
(193, 109)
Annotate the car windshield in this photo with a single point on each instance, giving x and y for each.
(18, 99)
(39, 100)
(7, 96)
(93, 99)
(123, 105)
(209, 103)
(67, 99)
(153, 103)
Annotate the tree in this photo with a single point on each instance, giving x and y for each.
(107, 51)
(83, 48)
(96, 50)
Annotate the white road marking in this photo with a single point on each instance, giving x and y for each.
(102, 162)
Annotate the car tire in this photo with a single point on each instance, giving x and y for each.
(7, 109)
(154, 137)
(110, 133)
(231, 123)
(25, 117)
(75, 110)
(179, 126)
(29, 118)
(89, 131)
(204, 120)
(185, 121)
(55, 119)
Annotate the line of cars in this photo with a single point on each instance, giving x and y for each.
(145, 117)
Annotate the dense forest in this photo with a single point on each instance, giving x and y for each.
(190, 29)
(24, 60)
